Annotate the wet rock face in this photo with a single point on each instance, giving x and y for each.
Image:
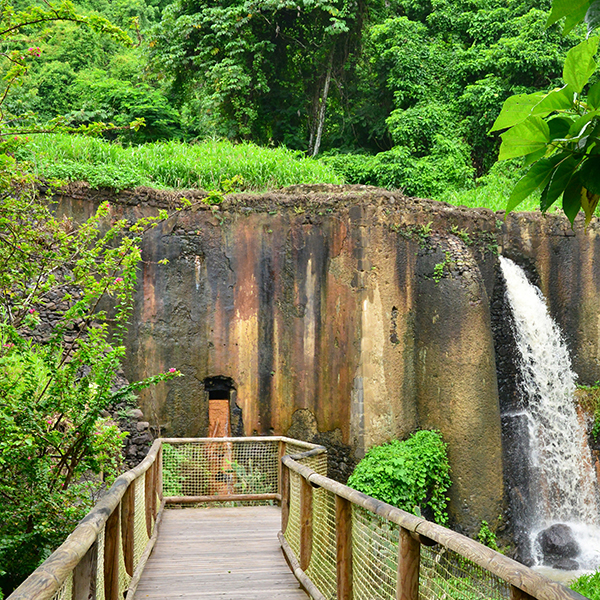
(368, 310)
(559, 546)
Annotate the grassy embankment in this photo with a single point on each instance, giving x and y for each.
(165, 165)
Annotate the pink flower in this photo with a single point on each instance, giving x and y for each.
(172, 370)
(118, 280)
(32, 311)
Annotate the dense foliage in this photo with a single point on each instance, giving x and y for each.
(413, 475)
(398, 94)
(65, 298)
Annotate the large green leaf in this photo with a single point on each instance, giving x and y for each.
(524, 138)
(516, 109)
(590, 174)
(564, 8)
(593, 97)
(534, 157)
(571, 202)
(580, 64)
(558, 99)
(559, 127)
(577, 126)
(573, 19)
(558, 182)
(592, 17)
(538, 175)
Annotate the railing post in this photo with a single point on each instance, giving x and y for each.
(285, 497)
(111, 555)
(280, 455)
(154, 488)
(148, 495)
(306, 526)
(343, 535)
(159, 480)
(84, 575)
(409, 556)
(127, 526)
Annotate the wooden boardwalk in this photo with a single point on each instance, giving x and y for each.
(224, 553)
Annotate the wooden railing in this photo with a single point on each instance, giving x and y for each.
(339, 542)
(365, 548)
(104, 556)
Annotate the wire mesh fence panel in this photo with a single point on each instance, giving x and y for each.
(124, 577)
(323, 562)
(445, 574)
(66, 589)
(374, 555)
(292, 531)
(221, 468)
(100, 567)
(140, 533)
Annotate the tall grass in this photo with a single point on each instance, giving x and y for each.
(588, 585)
(171, 164)
(176, 165)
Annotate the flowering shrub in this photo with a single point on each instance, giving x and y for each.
(56, 450)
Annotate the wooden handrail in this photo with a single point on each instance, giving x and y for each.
(113, 514)
(520, 577)
(47, 579)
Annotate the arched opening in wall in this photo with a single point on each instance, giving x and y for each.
(224, 415)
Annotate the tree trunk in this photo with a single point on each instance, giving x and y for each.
(322, 108)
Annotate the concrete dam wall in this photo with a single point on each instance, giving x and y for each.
(348, 316)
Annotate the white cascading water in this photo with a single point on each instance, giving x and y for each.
(564, 481)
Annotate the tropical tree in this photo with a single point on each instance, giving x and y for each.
(261, 70)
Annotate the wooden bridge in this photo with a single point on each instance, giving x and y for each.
(257, 518)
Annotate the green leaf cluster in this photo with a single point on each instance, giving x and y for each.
(413, 474)
(558, 134)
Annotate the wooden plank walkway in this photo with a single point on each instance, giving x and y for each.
(224, 553)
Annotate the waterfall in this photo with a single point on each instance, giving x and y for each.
(563, 486)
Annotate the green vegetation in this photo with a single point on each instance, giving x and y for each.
(399, 94)
(588, 585)
(591, 403)
(559, 135)
(172, 164)
(57, 451)
(487, 537)
(413, 475)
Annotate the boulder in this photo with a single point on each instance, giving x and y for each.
(566, 564)
(557, 542)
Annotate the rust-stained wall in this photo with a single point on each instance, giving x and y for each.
(328, 309)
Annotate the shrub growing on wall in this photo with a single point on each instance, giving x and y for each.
(413, 475)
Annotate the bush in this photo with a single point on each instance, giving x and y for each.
(447, 166)
(413, 475)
